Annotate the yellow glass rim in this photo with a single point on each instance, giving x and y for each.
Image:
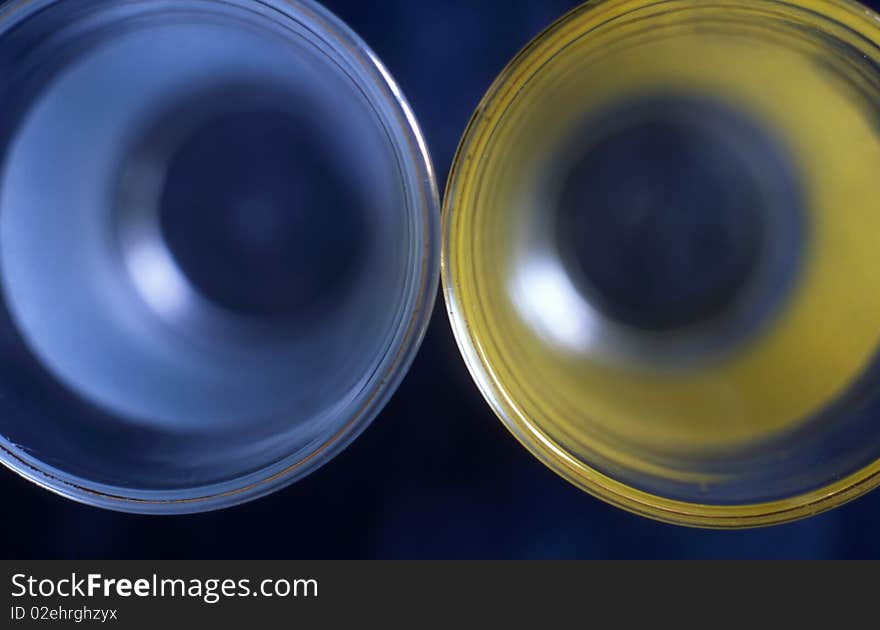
(849, 14)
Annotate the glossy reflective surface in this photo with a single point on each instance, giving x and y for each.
(224, 269)
(658, 255)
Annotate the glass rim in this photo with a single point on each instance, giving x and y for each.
(422, 200)
(848, 13)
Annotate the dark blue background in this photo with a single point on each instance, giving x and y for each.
(436, 475)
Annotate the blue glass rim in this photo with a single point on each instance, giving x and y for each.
(362, 67)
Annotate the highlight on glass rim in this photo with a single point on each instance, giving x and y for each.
(219, 246)
(661, 240)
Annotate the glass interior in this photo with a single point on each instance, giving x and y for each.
(214, 222)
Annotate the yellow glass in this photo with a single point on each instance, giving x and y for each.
(769, 424)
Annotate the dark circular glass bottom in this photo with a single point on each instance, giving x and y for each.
(665, 212)
(258, 216)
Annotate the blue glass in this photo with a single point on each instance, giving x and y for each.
(218, 246)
